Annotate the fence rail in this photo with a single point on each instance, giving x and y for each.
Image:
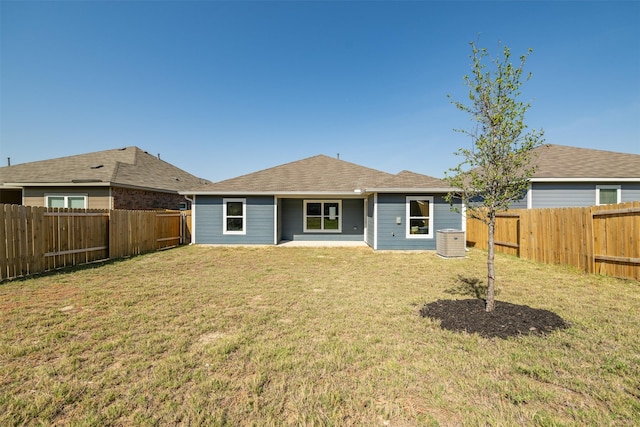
(37, 239)
(598, 239)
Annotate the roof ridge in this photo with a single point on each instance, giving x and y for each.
(116, 169)
(119, 163)
(129, 166)
(283, 165)
(320, 174)
(270, 167)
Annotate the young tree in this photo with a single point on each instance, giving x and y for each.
(496, 170)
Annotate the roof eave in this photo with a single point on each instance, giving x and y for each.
(59, 184)
(86, 184)
(579, 179)
(270, 193)
(413, 190)
(355, 192)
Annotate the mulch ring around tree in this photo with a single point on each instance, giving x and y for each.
(506, 320)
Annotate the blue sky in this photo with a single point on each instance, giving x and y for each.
(222, 88)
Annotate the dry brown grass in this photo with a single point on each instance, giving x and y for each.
(310, 336)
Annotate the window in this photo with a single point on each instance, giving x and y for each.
(419, 215)
(66, 201)
(323, 216)
(608, 194)
(234, 216)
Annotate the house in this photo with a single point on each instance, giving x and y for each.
(572, 177)
(123, 178)
(322, 198)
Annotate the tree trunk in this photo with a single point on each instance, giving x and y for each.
(491, 275)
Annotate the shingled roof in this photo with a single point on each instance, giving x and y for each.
(317, 175)
(129, 166)
(564, 162)
(411, 181)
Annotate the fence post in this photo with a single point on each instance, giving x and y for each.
(589, 236)
(4, 264)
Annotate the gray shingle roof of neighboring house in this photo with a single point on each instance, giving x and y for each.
(560, 162)
(317, 175)
(128, 167)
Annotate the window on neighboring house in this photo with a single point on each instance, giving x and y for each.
(608, 194)
(234, 216)
(323, 216)
(66, 201)
(419, 217)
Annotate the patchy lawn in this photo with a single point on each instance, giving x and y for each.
(311, 336)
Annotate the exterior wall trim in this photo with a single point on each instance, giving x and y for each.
(66, 195)
(322, 201)
(244, 216)
(375, 221)
(618, 189)
(194, 206)
(407, 225)
(275, 220)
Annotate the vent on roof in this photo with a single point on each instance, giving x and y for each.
(96, 166)
(176, 178)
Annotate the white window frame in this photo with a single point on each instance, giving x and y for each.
(66, 199)
(429, 235)
(243, 216)
(609, 187)
(322, 230)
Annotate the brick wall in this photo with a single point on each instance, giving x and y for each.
(127, 198)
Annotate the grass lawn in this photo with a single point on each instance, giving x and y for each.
(310, 336)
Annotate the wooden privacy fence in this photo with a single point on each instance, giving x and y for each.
(598, 239)
(37, 239)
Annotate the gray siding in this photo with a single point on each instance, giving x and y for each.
(519, 204)
(259, 218)
(352, 222)
(393, 236)
(556, 195)
(630, 192)
(575, 194)
(291, 215)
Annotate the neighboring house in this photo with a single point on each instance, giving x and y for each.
(323, 199)
(124, 178)
(571, 177)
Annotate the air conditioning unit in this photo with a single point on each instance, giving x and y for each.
(450, 243)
